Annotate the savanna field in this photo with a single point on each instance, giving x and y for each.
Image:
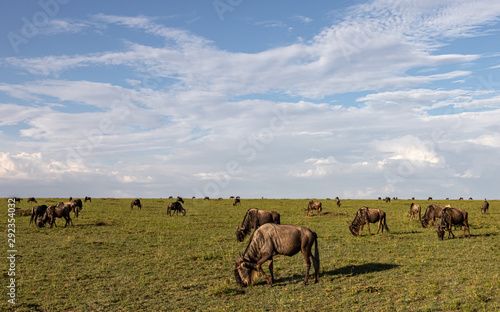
(118, 259)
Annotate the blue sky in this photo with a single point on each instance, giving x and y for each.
(356, 99)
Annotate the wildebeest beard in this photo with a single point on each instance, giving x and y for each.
(244, 273)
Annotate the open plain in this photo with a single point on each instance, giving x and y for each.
(118, 259)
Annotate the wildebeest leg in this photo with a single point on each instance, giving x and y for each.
(33, 216)
(258, 266)
(368, 225)
(380, 225)
(271, 267)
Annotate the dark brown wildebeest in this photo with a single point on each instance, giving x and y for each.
(431, 214)
(87, 198)
(337, 201)
(231, 197)
(380, 198)
(236, 201)
(179, 199)
(366, 216)
(470, 198)
(485, 207)
(206, 198)
(32, 200)
(37, 211)
(313, 205)
(430, 198)
(273, 239)
(176, 207)
(413, 198)
(17, 199)
(414, 211)
(62, 210)
(136, 202)
(452, 216)
(77, 206)
(253, 219)
(387, 199)
(70, 198)
(461, 198)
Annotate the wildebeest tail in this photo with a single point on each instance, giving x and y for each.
(385, 225)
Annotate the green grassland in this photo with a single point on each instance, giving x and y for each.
(117, 259)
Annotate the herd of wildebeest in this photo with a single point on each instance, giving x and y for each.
(271, 238)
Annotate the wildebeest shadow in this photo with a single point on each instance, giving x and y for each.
(353, 270)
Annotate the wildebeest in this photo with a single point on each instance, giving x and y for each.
(273, 239)
(470, 198)
(337, 200)
(485, 207)
(37, 211)
(452, 216)
(61, 210)
(206, 198)
(366, 216)
(176, 207)
(414, 211)
(430, 198)
(77, 206)
(431, 214)
(32, 200)
(253, 219)
(17, 199)
(314, 205)
(135, 202)
(461, 198)
(236, 201)
(87, 198)
(387, 199)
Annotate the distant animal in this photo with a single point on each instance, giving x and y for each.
(77, 206)
(17, 199)
(32, 200)
(253, 219)
(387, 199)
(430, 198)
(414, 211)
(61, 210)
(461, 198)
(485, 207)
(313, 205)
(470, 198)
(135, 202)
(170, 197)
(206, 198)
(431, 214)
(87, 198)
(176, 207)
(37, 211)
(413, 198)
(70, 198)
(220, 198)
(236, 201)
(366, 216)
(380, 198)
(231, 197)
(452, 216)
(273, 239)
(337, 200)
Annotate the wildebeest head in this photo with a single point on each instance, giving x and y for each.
(354, 230)
(40, 222)
(240, 233)
(182, 211)
(440, 231)
(244, 272)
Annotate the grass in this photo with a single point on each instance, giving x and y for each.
(117, 259)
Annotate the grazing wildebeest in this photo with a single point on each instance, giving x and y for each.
(380, 198)
(413, 198)
(314, 205)
(70, 198)
(77, 206)
(414, 211)
(337, 200)
(206, 198)
(17, 199)
(37, 211)
(431, 214)
(135, 202)
(87, 198)
(32, 200)
(273, 239)
(253, 219)
(366, 216)
(430, 198)
(485, 207)
(236, 201)
(176, 207)
(452, 216)
(231, 197)
(61, 210)
(461, 198)
(387, 199)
